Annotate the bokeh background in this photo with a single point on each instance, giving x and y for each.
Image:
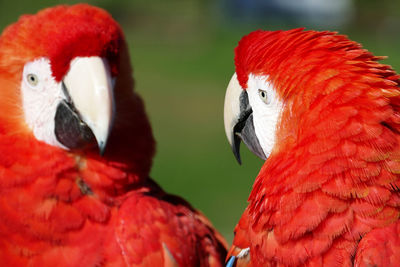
(182, 54)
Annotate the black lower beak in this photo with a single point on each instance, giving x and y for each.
(244, 131)
(70, 130)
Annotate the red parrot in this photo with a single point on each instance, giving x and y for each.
(66, 94)
(325, 115)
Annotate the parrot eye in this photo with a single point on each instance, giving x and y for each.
(264, 96)
(32, 79)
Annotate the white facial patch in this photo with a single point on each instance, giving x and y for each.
(243, 253)
(41, 95)
(267, 108)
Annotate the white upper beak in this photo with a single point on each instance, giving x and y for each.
(90, 87)
(232, 107)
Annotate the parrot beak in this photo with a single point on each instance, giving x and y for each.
(87, 114)
(238, 120)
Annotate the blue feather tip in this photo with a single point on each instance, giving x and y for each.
(231, 261)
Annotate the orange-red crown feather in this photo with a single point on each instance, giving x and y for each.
(64, 32)
(283, 53)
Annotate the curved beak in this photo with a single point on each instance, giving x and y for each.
(238, 120)
(88, 111)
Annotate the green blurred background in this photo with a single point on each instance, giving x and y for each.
(182, 54)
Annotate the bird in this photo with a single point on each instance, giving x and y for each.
(76, 149)
(324, 115)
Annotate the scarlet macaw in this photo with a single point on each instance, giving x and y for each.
(66, 94)
(325, 115)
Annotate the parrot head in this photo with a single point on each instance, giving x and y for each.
(66, 72)
(281, 76)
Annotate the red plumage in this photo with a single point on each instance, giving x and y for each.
(76, 208)
(329, 192)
